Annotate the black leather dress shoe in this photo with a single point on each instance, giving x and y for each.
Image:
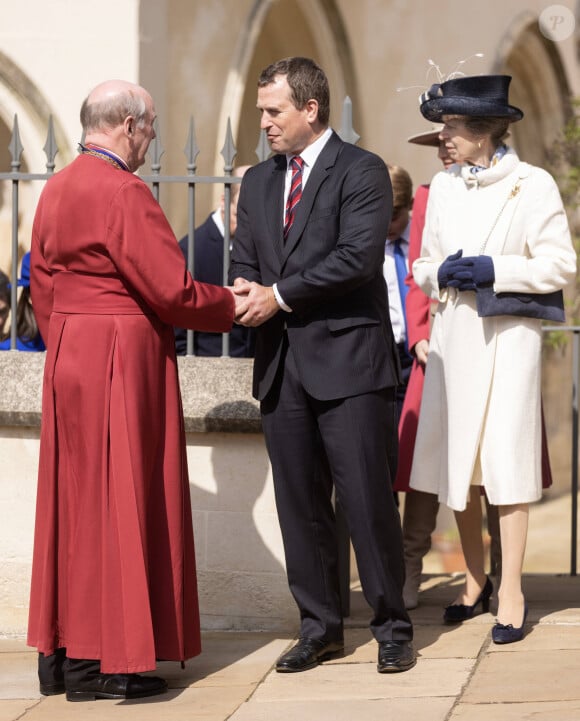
(395, 656)
(308, 653)
(115, 685)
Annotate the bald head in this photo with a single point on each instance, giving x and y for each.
(119, 116)
(110, 103)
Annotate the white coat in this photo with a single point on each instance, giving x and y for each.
(482, 382)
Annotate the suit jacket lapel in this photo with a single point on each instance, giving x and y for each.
(318, 175)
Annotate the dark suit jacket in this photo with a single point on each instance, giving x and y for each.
(208, 267)
(329, 271)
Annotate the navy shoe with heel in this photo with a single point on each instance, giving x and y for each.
(458, 612)
(509, 634)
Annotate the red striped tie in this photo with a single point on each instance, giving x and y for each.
(295, 193)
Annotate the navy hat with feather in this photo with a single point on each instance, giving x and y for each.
(474, 95)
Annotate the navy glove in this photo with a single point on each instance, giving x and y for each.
(472, 272)
(447, 269)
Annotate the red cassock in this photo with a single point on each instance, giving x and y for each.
(418, 317)
(113, 575)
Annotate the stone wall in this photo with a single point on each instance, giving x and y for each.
(241, 575)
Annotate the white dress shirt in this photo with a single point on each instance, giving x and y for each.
(390, 273)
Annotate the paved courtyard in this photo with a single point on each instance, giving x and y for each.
(460, 675)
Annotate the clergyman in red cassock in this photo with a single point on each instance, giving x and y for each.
(113, 578)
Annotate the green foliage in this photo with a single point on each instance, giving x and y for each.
(564, 164)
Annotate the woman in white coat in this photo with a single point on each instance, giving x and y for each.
(492, 221)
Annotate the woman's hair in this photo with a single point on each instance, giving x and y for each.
(307, 81)
(26, 325)
(111, 112)
(496, 128)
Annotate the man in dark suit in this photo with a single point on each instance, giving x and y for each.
(208, 267)
(309, 255)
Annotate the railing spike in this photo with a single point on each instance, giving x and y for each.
(15, 146)
(262, 149)
(156, 149)
(50, 147)
(347, 132)
(191, 149)
(229, 151)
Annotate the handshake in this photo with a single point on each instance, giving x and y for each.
(255, 303)
(468, 273)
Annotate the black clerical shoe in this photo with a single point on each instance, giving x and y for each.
(308, 653)
(395, 656)
(116, 686)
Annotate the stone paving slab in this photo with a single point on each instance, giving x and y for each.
(18, 672)
(15, 709)
(208, 704)
(538, 711)
(524, 676)
(408, 709)
(333, 681)
(227, 658)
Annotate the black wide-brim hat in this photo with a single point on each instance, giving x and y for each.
(476, 95)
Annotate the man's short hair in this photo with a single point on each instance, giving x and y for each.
(306, 80)
(111, 113)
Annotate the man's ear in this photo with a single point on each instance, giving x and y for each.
(129, 125)
(311, 108)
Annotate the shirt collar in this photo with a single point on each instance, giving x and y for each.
(310, 154)
(404, 235)
(219, 221)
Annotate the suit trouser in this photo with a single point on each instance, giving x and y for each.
(348, 442)
(57, 668)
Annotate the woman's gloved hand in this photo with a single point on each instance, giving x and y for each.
(472, 272)
(447, 269)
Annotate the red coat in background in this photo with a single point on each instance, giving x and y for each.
(418, 319)
(113, 574)
(417, 316)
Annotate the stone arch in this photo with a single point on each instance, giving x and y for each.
(20, 97)
(539, 87)
(267, 36)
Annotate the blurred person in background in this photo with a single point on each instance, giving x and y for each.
(28, 337)
(208, 267)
